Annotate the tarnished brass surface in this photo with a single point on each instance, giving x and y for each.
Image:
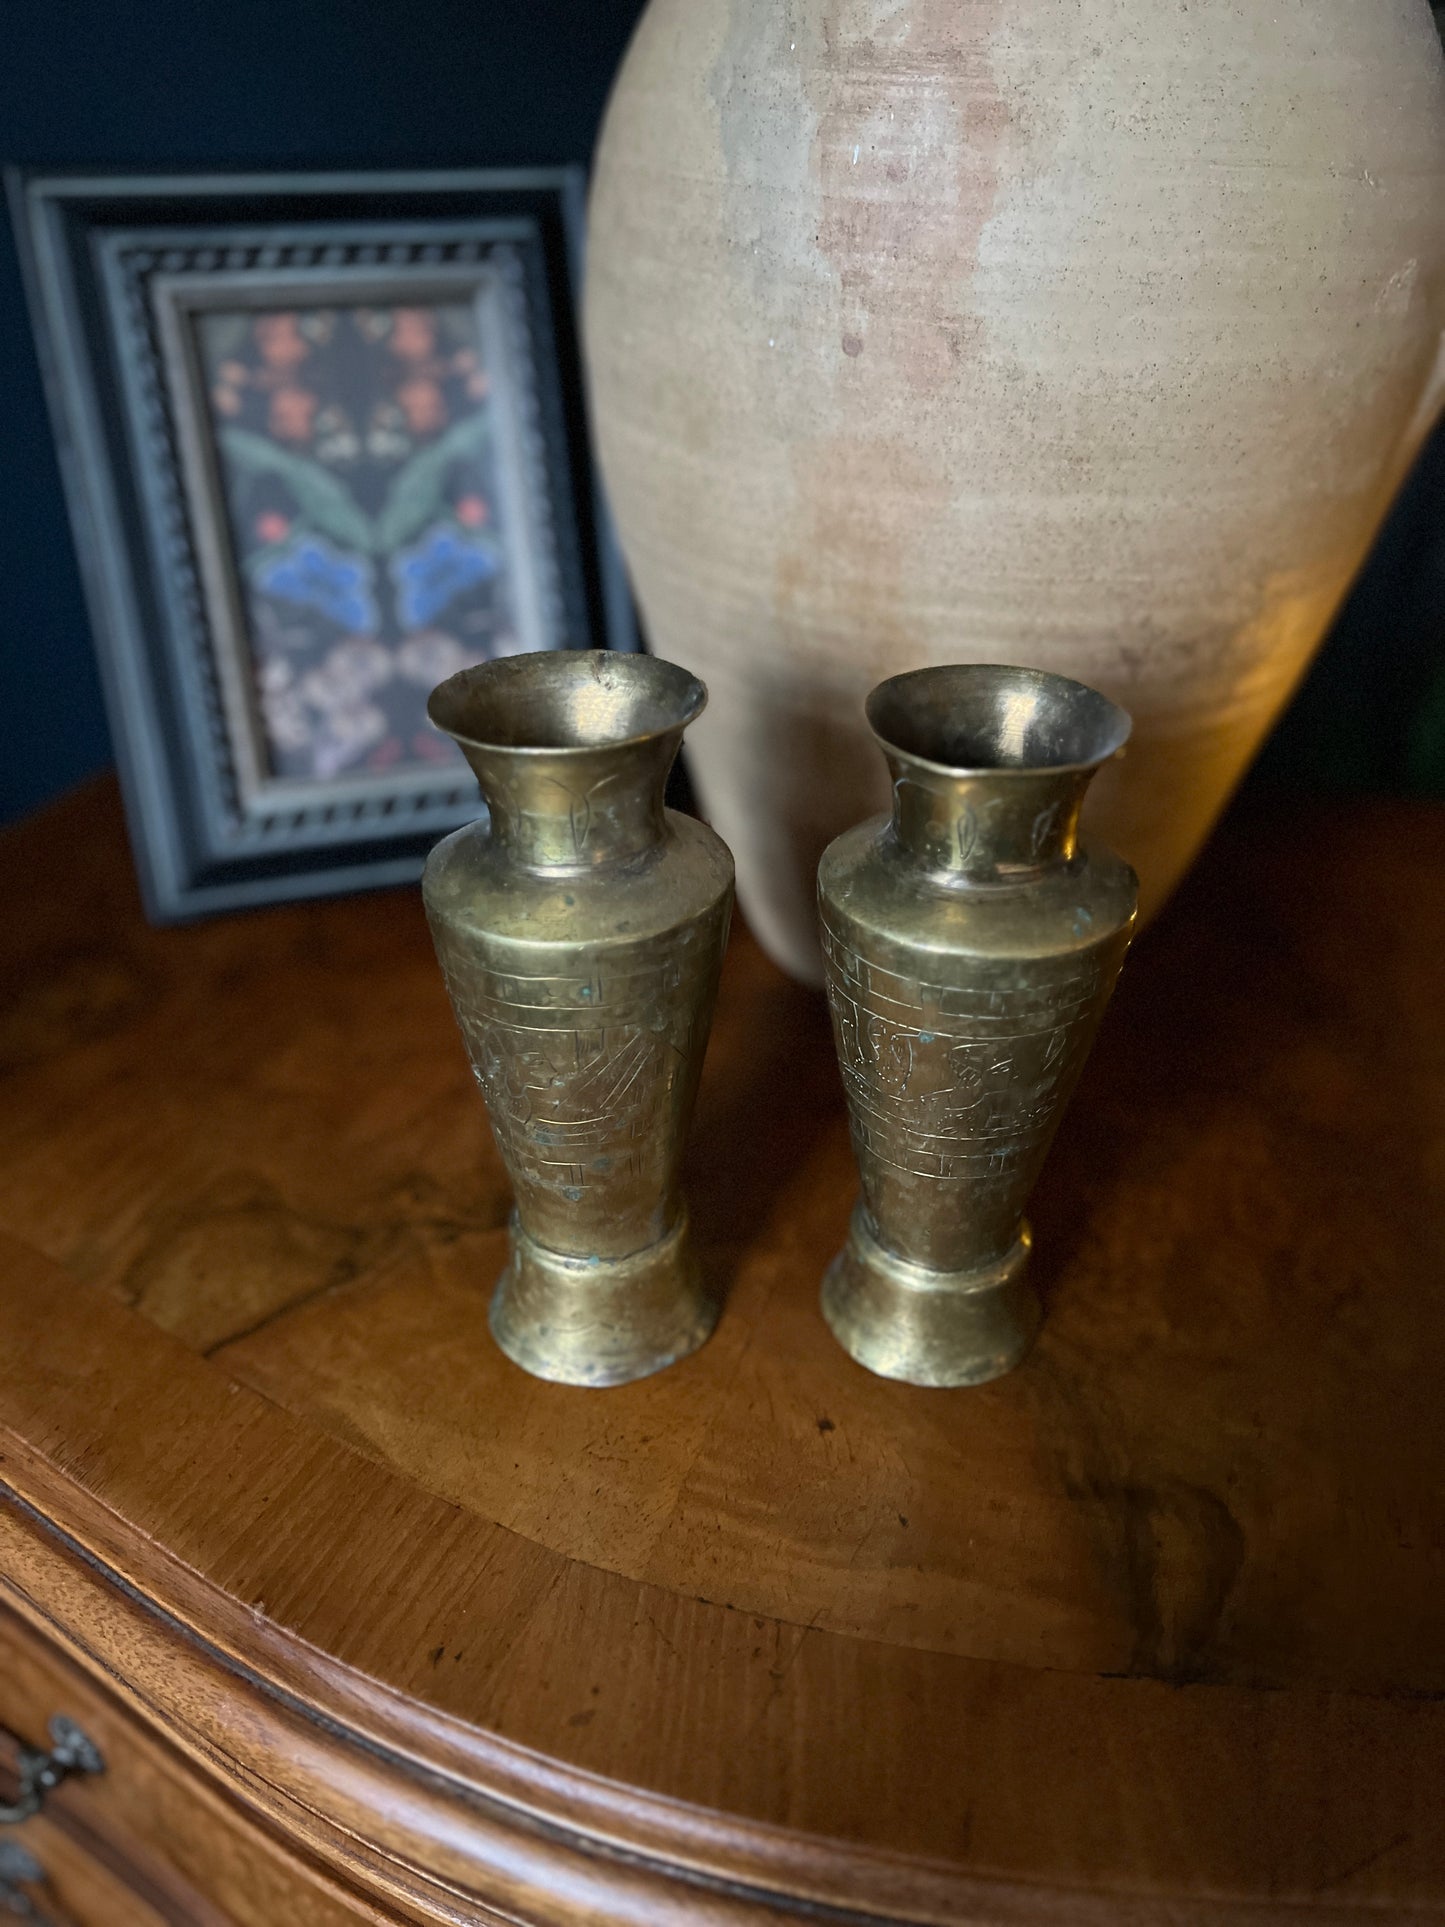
(971, 943)
(581, 934)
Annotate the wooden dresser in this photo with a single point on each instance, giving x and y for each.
(369, 1627)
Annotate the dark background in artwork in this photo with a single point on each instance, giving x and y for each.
(307, 83)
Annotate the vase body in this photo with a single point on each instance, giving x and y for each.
(1087, 334)
(970, 943)
(580, 930)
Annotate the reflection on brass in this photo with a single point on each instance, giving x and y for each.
(581, 932)
(971, 943)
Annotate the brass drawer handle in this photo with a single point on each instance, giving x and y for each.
(18, 1866)
(70, 1752)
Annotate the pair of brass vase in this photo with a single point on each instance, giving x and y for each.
(970, 943)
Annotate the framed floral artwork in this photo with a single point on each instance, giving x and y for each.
(324, 443)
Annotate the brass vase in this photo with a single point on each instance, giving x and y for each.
(971, 943)
(580, 931)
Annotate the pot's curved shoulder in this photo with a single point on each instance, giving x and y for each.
(1092, 337)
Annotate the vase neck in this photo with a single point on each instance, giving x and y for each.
(571, 748)
(990, 763)
(575, 811)
(992, 826)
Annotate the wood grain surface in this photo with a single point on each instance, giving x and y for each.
(1152, 1630)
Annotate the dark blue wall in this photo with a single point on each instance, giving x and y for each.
(1371, 715)
(265, 83)
(281, 83)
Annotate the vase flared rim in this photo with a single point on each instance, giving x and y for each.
(995, 720)
(536, 704)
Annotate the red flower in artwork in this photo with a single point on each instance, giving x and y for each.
(413, 334)
(280, 340)
(423, 405)
(272, 526)
(290, 414)
(472, 512)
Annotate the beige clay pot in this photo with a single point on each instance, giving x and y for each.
(1090, 335)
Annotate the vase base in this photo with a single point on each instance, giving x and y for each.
(928, 1327)
(589, 1321)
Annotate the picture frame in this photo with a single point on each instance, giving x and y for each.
(323, 440)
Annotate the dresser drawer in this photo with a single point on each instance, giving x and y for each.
(80, 1881)
(147, 1841)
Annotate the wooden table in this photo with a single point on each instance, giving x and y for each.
(371, 1627)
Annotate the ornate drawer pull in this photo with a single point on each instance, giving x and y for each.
(17, 1865)
(70, 1752)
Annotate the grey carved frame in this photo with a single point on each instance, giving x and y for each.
(115, 268)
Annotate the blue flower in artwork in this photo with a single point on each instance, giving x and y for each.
(317, 576)
(436, 570)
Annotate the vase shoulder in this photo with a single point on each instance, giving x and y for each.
(473, 888)
(873, 901)
(1095, 336)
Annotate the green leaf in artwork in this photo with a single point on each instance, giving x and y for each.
(324, 502)
(418, 491)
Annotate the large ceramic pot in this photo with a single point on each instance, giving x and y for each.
(1092, 335)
